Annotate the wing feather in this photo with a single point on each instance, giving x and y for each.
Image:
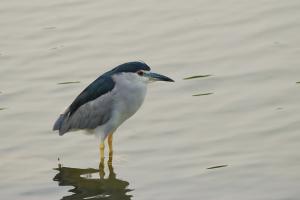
(91, 108)
(100, 86)
(89, 115)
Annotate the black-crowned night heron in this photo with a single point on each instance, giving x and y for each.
(108, 101)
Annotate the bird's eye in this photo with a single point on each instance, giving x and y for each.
(141, 73)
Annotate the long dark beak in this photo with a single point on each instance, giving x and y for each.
(158, 77)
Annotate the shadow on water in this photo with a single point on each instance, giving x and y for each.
(68, 82)
(198, 76)
(92, 184)
(203, 94)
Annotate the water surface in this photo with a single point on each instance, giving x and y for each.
(174, 146)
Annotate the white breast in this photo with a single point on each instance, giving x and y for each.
(128, 96)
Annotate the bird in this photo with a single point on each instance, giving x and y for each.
(108, 101)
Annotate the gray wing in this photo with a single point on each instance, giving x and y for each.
(88, 116)
(90, 108)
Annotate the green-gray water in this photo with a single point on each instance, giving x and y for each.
(239, 142)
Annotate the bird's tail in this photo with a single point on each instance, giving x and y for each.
(59, 123)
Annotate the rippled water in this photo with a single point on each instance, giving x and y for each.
(231, 135)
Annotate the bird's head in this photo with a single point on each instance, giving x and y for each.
(140, 71)
(149, 76)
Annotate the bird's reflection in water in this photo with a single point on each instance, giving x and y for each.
(92, 183)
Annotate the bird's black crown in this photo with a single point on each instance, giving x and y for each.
(131, 67)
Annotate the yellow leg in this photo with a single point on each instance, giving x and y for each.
(110, 146)
(101, 151)
(101, 164)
